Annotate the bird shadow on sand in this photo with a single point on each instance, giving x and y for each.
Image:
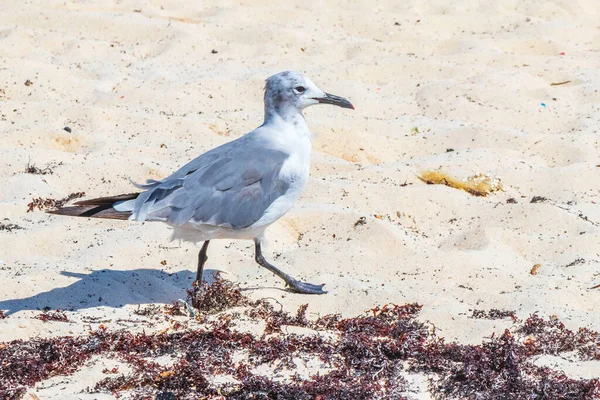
(111, 288)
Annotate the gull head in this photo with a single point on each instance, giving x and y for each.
(291, 92)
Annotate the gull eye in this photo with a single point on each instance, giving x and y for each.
(300, 89)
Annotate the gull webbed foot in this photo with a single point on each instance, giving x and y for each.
(304, 287)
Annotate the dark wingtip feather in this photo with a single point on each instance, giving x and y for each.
(92, 211)
(101, 207)
(107, 200)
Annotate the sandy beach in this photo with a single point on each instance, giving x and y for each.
(508, 89)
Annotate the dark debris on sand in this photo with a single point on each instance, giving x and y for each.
(364, 357)
(493, 314)
(50, 204)
(33, 169)
(8, 227)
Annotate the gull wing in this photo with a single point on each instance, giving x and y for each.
(230, 186)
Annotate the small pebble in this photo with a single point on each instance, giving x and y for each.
(66, 128)
(214, 51)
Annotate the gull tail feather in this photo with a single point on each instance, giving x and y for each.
(112, 207)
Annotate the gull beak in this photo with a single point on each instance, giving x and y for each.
(335, 100)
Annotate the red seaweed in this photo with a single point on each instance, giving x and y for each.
(364, 357)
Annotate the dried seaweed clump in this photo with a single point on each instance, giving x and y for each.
(363, 357)
(57, 315)
(477, 185)
(50, 204)
(552, 337)
(147, 311)
(24, 363)
(216, 297)
(174, 309)
(501, 369)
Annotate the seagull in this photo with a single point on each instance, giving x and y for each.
(236, 190)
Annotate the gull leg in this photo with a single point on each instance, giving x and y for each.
(295, 285)
(202, 257)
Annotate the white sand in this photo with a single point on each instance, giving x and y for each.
(142, 92)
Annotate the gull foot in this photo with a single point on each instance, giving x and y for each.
(304, 287)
